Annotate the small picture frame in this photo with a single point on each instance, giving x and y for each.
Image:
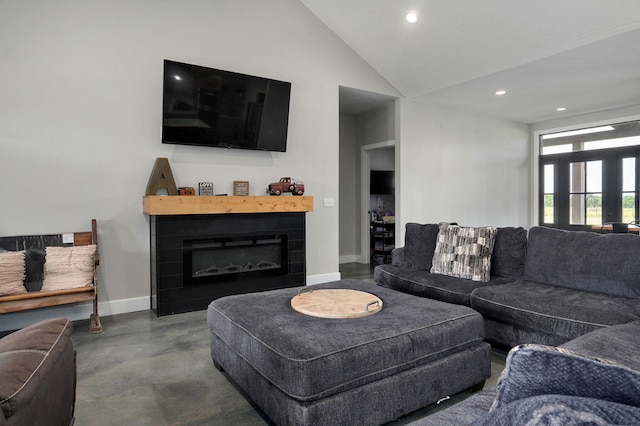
(240, 187)
(205, 188)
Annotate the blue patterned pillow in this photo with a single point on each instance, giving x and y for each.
(464, 252)
(533, 370)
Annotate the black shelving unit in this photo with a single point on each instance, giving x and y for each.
(382, 241)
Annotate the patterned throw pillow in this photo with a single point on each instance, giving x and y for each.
(464, 252)
(533, 370)
(12, 273)
(68, 267)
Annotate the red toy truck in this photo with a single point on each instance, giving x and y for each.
(286, 184)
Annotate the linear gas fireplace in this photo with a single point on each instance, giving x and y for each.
(197, 258)
(222, 258)
(203, 248)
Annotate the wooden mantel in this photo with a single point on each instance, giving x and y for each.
(157, 205)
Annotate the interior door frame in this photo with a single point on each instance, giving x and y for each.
(365, 189)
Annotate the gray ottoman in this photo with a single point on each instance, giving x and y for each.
(304, 370)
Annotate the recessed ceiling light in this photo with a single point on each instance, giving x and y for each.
(501, 92)
(177, 77)
(561, 109)
(411, 17)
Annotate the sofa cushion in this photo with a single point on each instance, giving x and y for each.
(618, 343)
(509, 252)
(462, 413)
(584, 260)
(12, 273)
(419, 245)
(569, 313)
(37, 373)
(434, 286)
(464, 252)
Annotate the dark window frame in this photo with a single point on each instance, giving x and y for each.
(611, 186)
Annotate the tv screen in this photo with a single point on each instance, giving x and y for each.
(382, 182)
(210, 107)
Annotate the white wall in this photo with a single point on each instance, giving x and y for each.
(349, 198)
(382, 159)
(377, 125)
(80, 117)
(461, 167)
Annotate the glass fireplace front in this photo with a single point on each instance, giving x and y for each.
(217, 259)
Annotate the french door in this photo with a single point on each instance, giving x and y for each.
(581, 189)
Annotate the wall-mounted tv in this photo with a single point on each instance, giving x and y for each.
(382, 182)
(210, 107)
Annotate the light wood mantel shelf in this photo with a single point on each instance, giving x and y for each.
(157, 205)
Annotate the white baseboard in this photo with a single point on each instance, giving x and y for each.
(74, 312)
(324, 278)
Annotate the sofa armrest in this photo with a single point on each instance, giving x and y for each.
(397, 256)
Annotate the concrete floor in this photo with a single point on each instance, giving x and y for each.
(144, 370)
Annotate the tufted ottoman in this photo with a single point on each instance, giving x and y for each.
(304, 370)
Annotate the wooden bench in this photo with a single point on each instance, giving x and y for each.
(42, 299)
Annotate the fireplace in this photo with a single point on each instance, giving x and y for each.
(220, 258)
(196, 258)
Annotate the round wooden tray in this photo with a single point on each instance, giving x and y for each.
(336, 303)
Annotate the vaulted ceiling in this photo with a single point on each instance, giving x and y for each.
(583, 55)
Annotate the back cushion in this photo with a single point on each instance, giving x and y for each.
(419, 245)
(509, 253)
(601, 263)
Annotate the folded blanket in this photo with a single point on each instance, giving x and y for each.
(12, 273)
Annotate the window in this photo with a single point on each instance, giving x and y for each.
(589, 176)
(548, 195)
(629, 189)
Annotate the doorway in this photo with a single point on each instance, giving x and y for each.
(366, 120)
(378, 200)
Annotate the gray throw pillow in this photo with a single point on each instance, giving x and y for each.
(419, 245)
(509, 252)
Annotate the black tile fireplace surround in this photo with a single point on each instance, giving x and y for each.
(201, 257)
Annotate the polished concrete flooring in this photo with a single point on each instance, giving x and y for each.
(144, 370)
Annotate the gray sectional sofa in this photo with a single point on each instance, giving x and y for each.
(579, 291)
(547, 287)
(600, 370)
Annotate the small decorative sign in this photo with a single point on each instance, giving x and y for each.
(240, 187)
(205, 188)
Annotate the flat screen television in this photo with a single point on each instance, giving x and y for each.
(210, 107)
(382, 182)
